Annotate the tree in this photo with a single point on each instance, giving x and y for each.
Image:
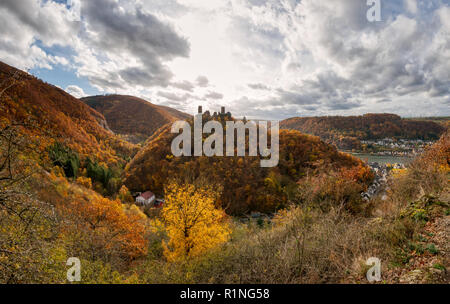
(28, 226)
(98, 173)
(85, 181)
(65, 158)
(106, 228)
(193, 223)
(125, 195)
(9, 82)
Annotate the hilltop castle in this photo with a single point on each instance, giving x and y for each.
(222, 113)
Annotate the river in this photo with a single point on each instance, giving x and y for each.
(383, 159)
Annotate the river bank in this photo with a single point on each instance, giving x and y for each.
(382, 159)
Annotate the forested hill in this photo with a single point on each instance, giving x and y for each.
(349, 130)
(246, 186)
(49, 114)
(133, 117)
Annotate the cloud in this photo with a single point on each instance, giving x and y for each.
(256, 44)
(117, 45)
(202, 81)
(258, 86)
(213, 95)
(343, 105)
(174, 97)
(294, 98)
(411, 6)
(139, 76)
(138, 43)
(356, 61)
(25, 22)
(75, 91)
(183, 85)
(134, 31)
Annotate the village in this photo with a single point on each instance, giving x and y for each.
(382, 172)
(396, 147)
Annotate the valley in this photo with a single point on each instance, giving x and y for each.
(244, 142)
(96, 179)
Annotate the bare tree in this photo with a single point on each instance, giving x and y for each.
(24, 247)
(28, 225)
(9, 82)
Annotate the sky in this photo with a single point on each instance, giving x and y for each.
(267, 59)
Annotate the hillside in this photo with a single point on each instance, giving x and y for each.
(443, 121)
(49, 114)
(133, 117)
(246, 186)
(346, 131)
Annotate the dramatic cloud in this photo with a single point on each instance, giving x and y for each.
(25, 23)
(138, 40)
(270, 58)
(117, 45)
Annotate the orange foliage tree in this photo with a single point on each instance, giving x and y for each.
(107, 227)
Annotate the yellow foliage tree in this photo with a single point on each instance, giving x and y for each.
(85, 181)
(193, 223)
(125, 195)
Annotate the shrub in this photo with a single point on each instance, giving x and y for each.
(125, 195)
(85, 181)
(303, 245)
(331, 189)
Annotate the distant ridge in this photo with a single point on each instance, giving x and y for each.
(346, 131)
(133, 117)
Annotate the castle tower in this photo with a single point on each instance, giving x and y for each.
(200, 109)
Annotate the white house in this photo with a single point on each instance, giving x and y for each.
(145, 199)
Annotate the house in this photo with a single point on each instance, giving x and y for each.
(145, 199)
